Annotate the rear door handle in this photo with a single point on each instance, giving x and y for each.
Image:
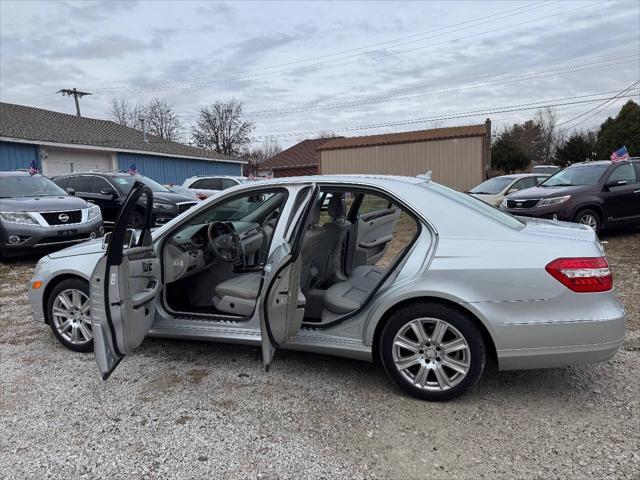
(636, 191)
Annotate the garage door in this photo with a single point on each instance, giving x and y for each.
(58, 162)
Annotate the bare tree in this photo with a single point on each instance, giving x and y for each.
(157, 117)
(550, 137)
(162, 121)
(221, 128)
(125, 113)
(255, 156)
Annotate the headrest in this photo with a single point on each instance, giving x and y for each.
(337, 208)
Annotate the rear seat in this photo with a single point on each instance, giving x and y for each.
(348, 296)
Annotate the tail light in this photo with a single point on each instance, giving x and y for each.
(582, 274)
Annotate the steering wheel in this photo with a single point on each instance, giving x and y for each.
(224, 241)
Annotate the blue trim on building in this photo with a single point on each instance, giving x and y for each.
(167, 170)
(14, 156)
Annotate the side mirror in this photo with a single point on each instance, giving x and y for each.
(615, 183)
(511, 190)
(110, 192)
(129, 239)
(70, 191)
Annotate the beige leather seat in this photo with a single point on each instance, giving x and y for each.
(348, 296)
(238, 294)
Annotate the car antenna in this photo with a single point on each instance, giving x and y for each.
(426, 177)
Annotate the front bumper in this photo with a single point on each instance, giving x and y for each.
(37, 236)
(551, 212)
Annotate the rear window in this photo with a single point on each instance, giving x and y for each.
(479, 206)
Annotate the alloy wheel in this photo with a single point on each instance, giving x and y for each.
(589, 220)
(71, 316)
(431, 354)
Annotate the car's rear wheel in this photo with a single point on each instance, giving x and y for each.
(69, 314)
(589, 218)
(432, 351)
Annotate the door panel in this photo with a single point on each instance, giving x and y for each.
(124, 287)
(282, 301)
(373, 231)
(622, 203)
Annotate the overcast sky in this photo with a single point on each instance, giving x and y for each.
(307, 67)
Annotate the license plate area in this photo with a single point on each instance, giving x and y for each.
(67, 233)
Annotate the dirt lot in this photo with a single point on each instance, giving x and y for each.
(189, 409)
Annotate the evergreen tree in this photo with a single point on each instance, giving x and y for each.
(624, 130)
(508, 155)
(580, 146)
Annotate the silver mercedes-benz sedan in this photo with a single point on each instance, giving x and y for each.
(428, 281)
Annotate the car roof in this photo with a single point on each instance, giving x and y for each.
(219, 176)
(16, 173)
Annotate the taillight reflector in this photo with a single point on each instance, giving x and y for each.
(582, 274)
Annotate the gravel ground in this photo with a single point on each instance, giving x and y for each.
(182, 409)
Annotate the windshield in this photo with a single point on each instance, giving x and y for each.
(573, 176)
(493, 185)
(28, 186)
(125, 183)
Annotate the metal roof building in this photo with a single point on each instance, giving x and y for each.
(459, 157)
(61, 143)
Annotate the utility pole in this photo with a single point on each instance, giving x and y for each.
(75, 93)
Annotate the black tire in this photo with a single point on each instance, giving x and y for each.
(68, 284)
(475, 355)
(587, 213)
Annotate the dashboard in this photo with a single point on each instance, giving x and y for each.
(189, 251)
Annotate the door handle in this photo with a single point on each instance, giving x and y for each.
(636, 191)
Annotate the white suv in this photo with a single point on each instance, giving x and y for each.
(209, 185)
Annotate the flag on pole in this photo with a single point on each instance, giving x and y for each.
(620, 154)
(133, 170)
(33, 168)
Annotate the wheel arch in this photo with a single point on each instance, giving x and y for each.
(53, 284)
(598, 208)
(486, 335)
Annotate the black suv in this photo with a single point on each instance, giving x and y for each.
(108, 190)
(600, 194)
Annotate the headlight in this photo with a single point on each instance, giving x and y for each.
(503, 203)
(94, 211)
(545, 202)
(18, 217)
(163, 206)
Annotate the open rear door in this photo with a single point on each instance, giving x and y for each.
(281, 301)
(124, 287)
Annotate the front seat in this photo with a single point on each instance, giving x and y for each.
(238, 294)
(333, 236)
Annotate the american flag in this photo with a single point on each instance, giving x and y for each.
(33, 168)
(620, 154)
(133, 170)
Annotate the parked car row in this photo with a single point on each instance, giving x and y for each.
(37, 212)
(600, 194)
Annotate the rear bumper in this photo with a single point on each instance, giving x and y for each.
(570, 329)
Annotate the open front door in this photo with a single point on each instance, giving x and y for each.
(281, 301)
(124, 286)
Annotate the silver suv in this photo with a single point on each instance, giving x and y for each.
(35, 213)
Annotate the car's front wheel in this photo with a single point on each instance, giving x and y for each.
(432, 351)
(589, 218)
(69, 314)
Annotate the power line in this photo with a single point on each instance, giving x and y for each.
(453, 87)
(236, 76)
(473, 113)
(604, 105)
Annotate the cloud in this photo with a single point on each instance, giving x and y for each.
(104, 46)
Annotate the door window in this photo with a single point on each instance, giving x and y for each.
(373, 203)
(227, 183)
(81, 183)
(524, 183)
(208, 184)
(99, 183)
(624, 172)
(62, 182)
